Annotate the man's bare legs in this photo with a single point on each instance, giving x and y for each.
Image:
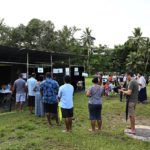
(67, 122)
(132, 122)
(31, 109)
(57, 120)
(49, 119)
(21, 106)
(16, 106)
(70, 124)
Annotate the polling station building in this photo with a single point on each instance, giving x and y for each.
(14, 61)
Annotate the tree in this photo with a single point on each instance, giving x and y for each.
(5, 33)
(88, 41)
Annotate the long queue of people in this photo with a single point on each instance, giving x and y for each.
(45, 94)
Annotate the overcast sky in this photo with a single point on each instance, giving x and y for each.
(111, 21)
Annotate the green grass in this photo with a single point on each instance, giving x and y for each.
(20, 131)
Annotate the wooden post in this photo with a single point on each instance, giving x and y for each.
(69, 67)
(27, 65)
(51, 66)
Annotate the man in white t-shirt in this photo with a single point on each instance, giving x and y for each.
(142, 88)
(31, 84)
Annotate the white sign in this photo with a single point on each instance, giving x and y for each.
(84, 74)
(59, 70)
(76, 69)
(67, 71)
(24, 75)
(55, 71)
(40, 70)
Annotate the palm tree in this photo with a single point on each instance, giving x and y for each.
(88, 41)
(136, 40)
(146, 52)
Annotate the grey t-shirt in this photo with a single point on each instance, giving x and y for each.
(19, 85)
(133, 85)
(96, 93)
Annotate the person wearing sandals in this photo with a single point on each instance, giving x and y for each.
(39, 106)
(65, 96)
(132, 93)
(95, 92)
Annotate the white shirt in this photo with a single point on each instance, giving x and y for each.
(104, 78)
(114, 78)
(124, 79)
(142, 81)
(31, 83)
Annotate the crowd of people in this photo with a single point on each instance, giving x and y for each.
(113, 83)
(45, 94)
(133, 87)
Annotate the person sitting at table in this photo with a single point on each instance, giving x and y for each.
(20, 87)
(9, 86)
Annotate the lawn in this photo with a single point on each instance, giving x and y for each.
(21, 131)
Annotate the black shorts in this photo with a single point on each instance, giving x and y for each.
(31, 101)
(67, 113)
(51, 108)
(95, 111)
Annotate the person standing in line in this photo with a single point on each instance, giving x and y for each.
(39, 106)
(65, 96)
(132, 94)
(95, 93)
(31, 84)
(142, 88)
(20, 87)
(122, 82)
(49, 89)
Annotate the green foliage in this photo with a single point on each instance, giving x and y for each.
(134, 54)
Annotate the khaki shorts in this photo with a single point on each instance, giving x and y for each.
(131, 108)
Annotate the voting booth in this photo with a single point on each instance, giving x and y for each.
(15, 61)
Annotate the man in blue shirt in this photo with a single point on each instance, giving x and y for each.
(49, 89)
(65, 96)
(31, 84)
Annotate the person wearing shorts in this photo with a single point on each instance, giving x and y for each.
(20, 87)
(31, 83)
(95, 104)
(132, 93)
(131, 108)
(65, 96)
(49, 89)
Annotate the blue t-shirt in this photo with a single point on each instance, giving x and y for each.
(31, 83)
(49, 88)
(66, 96)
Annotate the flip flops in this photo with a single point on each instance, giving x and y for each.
(130, 132)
